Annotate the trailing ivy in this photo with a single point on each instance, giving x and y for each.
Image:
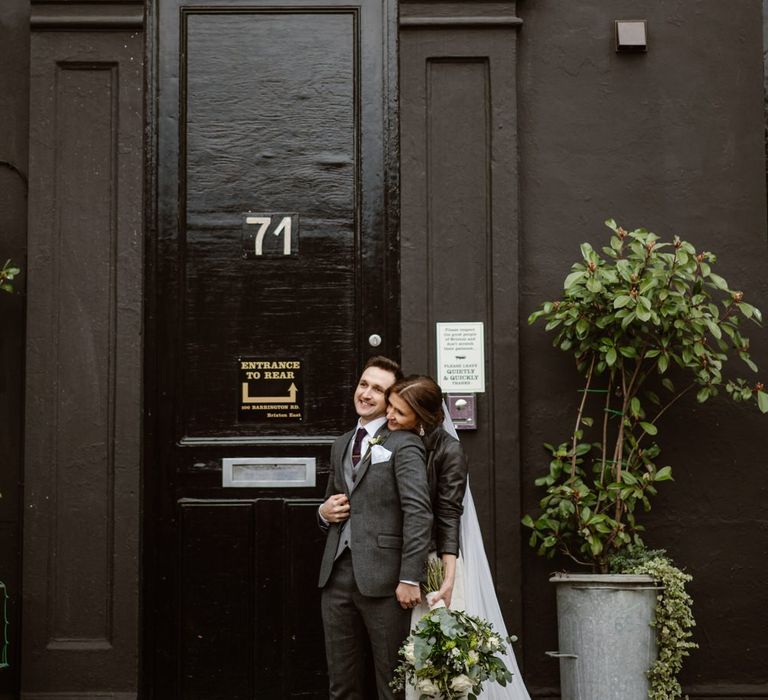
(673, 618)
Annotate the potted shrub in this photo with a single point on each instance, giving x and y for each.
(647, 322)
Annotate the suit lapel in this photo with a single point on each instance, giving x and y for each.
(382, 434)
(341, 477)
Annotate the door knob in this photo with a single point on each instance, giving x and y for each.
(374, 340)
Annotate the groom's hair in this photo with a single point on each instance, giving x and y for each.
(386, 364)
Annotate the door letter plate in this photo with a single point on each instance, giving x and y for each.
(268, 472)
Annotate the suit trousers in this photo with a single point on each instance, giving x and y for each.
(349, 618)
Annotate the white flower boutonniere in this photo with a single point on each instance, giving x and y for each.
(375, 440)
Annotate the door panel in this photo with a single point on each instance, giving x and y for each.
(278, 114)
(83, 362)
(278, 135)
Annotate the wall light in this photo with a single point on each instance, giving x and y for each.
(631, 35)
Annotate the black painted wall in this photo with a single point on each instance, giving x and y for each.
(14, 99)
(671, 140)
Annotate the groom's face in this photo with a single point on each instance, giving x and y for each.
(370, 395)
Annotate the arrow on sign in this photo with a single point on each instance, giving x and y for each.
(291, 398)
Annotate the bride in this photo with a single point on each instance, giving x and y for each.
(416, 403)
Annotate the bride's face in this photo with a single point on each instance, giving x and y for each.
(400, 416)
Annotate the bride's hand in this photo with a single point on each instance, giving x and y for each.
(444, 593)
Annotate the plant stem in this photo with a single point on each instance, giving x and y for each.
(605, 438)
(678, 396)
(578, 416)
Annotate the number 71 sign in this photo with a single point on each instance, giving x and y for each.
(270, 235)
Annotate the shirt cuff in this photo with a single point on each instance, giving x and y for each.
(410, 583)
(320, 515)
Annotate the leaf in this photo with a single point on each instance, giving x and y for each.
(571, 280)
(594, 285)
(586, 420)
(643, 314)
(668, 385)
(653, 397)
(718, 281)
(621, 301)
(714, 329)
(664, 474)
(554, 323)
(747, 309)
(628, 351)
(663, 363)
(527, 521)
(762, 401)
(586, 249)
(610, 357)
(649, 428)
(748, 362)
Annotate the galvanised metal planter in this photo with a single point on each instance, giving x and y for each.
(606, 640)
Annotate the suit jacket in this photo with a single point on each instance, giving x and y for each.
(390, 513)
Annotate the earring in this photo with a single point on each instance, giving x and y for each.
(421, 431)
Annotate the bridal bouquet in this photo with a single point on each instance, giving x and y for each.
(449, 654)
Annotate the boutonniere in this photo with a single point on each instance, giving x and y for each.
(376, 440)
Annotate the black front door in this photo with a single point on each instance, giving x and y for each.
(270, 267)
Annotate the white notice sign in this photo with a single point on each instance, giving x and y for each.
(461, 357)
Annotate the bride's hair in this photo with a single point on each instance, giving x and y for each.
(424, 396)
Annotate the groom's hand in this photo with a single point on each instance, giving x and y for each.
(408, 595)
(336, 508)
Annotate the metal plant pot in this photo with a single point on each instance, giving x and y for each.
(606, 640)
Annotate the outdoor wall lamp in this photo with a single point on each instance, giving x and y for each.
(631, 35)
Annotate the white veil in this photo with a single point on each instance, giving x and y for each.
(479, 593)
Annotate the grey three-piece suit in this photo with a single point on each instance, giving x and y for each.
(388, 533)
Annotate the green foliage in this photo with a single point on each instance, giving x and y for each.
(449, 654)
(646, 323)
(435, 576)
(7, 273)
(673, 618)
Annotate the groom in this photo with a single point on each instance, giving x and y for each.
(378, 516)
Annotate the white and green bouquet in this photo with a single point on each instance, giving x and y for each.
(449, 655)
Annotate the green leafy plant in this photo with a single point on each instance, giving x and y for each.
(646, 322)
(450, 654)
(673, 617)
(7, 273)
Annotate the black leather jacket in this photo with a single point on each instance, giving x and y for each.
(447, 476)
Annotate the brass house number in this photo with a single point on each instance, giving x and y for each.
(270, 235)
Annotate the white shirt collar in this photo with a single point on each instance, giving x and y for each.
(372, 426)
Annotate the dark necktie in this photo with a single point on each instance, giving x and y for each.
(357, 444)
